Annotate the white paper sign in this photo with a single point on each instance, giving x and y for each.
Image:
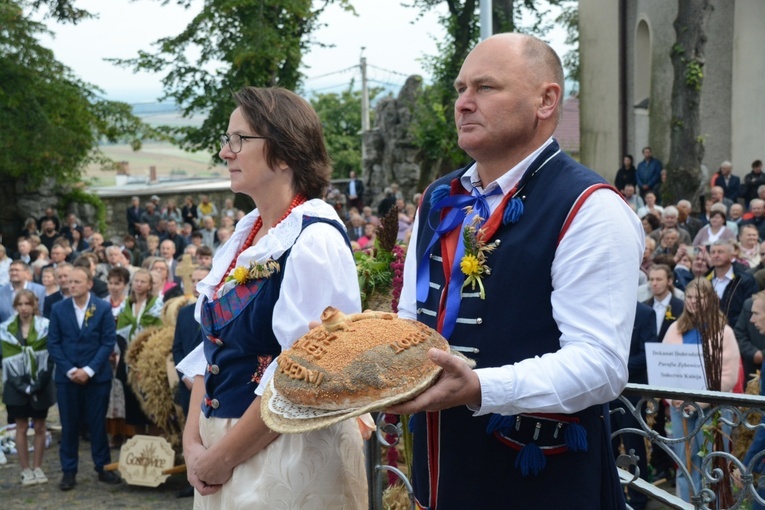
(675, 366)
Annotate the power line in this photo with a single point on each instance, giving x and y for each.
(333, 73)
(389, 71)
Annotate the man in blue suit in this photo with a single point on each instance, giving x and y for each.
(20, 276)
(730, 184)
(758, 443)
(81, 337)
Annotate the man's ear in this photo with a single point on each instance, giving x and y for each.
(549, 100)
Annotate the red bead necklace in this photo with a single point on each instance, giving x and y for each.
(299, 199)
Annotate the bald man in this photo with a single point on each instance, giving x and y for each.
(551, 325)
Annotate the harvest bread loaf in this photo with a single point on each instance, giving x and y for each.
(352, 361)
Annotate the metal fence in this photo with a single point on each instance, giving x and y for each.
(729, 410)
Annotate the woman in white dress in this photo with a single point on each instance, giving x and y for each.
(275, 153)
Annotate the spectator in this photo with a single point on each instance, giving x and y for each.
(669, 241)
(387, 202)
(142, 239)
(130, 249)
(72, 223)
(49, 281)
(196, 239)
(226, 222)
(204, 256)
(355, 191)
(626, 174)
(151, 217)
(355, 227)
(750, 245)
(152, 248)
(5, 264)
(228, 210)
(49, 215)
(757, 209)
(117, 282)
(164, 286)
(686, 221)
(83, 375)
(224, 234)
(88, 232)
(752, 181)
(49, 234)
(682, 271)
(368, 216)
(24, 248)
(648, 172)
(669, 219)
(714, 231)
(650, 205)
(61, 272)
(209, 232)
(40, 261)
(172, 212)
(368, 239)
(729, 183)
(78, 244)
(717, 196)
(189, 212)
(751, 342)
(651, 224)
(20, 277)
(175, 236)
(89, 262)
(28, 390)
(167, 253)
(29, 229)
(186, 230)
(206, 207)
(732, 285)
(405, 220)
(134, 213)
(632, 198)
(161, 230)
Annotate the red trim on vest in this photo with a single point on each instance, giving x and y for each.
(580, 202)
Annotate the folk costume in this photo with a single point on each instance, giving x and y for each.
(246, 324)
(559, 235)
(27, 367)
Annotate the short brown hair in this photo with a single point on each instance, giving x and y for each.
(293, 135)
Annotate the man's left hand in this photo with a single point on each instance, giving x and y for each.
(458, 385)
(80, 376)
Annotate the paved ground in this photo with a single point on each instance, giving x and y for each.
(89, 494)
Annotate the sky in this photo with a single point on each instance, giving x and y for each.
(393, 37)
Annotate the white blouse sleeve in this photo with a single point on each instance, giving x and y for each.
(320, 272)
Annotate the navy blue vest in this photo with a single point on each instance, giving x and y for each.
(513, 323)
(239, 338)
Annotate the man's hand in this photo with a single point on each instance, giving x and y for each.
(80, 376)
(758, 357)
(458, 385)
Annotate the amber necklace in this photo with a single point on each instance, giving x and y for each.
(299, 199)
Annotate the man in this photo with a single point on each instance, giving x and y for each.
(80, 339)
(729, 183)
(57, 255)
(151, 217)
(648, 173)
(752, 181)
(207, 208)
(355, 192)
(20, 277)
(204, 256)
(757, 208)
(134, 213)
(209, 232)
(174, 236)
(717, 196)
(72, 223)
(61, 272)
(669, 222)
(356, 227)
(666, 306)
(224, 234)
(89, 262)
(736, 214)
(387, 202)
(751, 342)
(643, 331)
(49, 215)
(48, 234)
(24, 249)
(758, 443)
(115, 258)
(685, 220)
(732, 285)
(553, 332)
(632, 198)
(167, 252)
(142, 239)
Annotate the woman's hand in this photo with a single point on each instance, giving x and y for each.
(211, 469)
(191, 454)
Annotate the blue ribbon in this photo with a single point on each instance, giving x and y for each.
(457, 216)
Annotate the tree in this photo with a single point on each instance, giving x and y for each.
(52, 121)
(684, 175)
(341, 119)
(240, 43)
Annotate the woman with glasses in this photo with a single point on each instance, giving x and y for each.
(275, 153)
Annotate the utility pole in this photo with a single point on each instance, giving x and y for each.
(364, 107)
(485, 19)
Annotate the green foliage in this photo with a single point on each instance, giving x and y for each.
(52, 121)
(694, 76)
(239, 43)
(341, 120)
(78, 196)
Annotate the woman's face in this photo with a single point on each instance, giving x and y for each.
(248, 168)
(48, 279)
(141, 284)
(627, 162)
(685, 260)
(691, 300)
(24, 308)
(152, 244)
(647, 226)
(716, 221)
(159, 272)
(116, 286)
(650, 199)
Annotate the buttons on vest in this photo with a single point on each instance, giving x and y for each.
(214, 369)
(479, 320)
(214, 403)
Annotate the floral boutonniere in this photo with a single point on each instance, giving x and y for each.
(242, 275)
(88, 314)
(668, 315)
(473, 263)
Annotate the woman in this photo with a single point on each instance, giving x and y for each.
(683, 266)
(164, 288)
(275, 153)
(78, 244)
(172, 212)
(714, 231)
(48, 279)
(650, 206)
(141, 310)
(404, 220)
(152, 248)
(28, 389)
(748, 237)
(626, 174)
(683, 331)
(117, 282)
(30, 229)
(651, 222)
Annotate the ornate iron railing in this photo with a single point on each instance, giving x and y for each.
(731, 409)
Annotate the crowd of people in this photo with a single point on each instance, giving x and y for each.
(719, 255)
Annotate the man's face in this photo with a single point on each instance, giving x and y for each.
(205, 199)
(758, 314)
(62, 276)
(757, 169)
(669, 220)
(167, 249)
(647, 154)
(114, 257)
(726, 170)
(49, 212)
(717, 195)
(721, 257)
(186, 230)
(758, 208)
(736, 211)
(659, 283)
(162, 226)
(58, 254)
(748, 236)
(197, 276)
(172, 227)
(24, 247)
(670, 238)
(87, 231)
(629, 190)
(79, 284)
(17, 274)
(204, 260)
(144, 230)
(49, 227)
(497, 100)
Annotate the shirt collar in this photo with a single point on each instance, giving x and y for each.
(508, 180)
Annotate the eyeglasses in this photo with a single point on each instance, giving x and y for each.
(235, 141)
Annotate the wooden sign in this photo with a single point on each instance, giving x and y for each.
(143, 460)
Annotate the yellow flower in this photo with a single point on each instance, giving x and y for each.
(240, 275)
(470, 265)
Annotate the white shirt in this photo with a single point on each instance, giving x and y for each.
(79, 313)
(596, 263)
(320, 272)
(660, 307)
(720, 284)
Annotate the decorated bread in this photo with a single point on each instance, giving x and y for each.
(353, 361)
